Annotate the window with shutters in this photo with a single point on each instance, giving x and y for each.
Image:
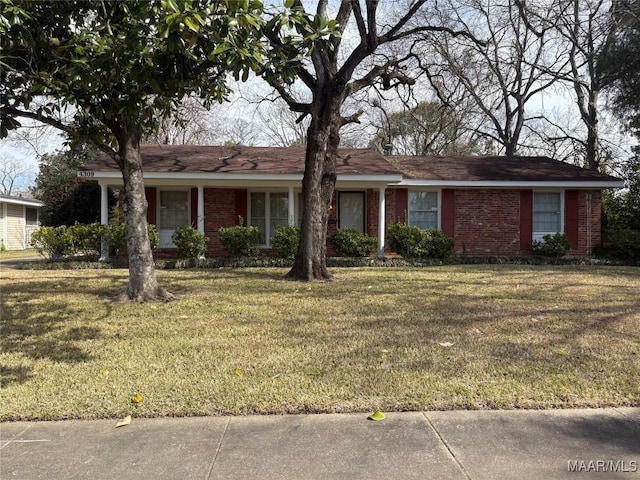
(547, 214)
(423, 209)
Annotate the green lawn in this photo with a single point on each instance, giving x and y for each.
(245, 341)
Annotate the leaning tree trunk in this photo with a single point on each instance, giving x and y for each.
(318, 185)
(142, 276)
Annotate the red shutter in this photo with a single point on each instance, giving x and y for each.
(571, 218)
(526, 220)
(241, 207)
(448, 215)
(194, 207)
(402, 205)
(150, 193)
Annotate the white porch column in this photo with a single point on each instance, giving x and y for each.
(382, 215)
(104, 220)
(200, 209)
(292, 209)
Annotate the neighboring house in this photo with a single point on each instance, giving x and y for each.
(489, 205)
(19, 217)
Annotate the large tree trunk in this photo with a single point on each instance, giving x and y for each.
(143, 285)
(318, 185)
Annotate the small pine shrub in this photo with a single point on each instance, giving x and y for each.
(240, 241)
(412, 242)
(349, 242)
(556, 245)
(190, 242)
(285, 241)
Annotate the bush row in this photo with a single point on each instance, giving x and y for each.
(408, 241)
(242, 241)
(60, 242)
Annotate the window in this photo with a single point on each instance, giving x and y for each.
(174, 214)
(31, 217)
(174, 209)
(268, 211)
(423, 209)
(547, 214)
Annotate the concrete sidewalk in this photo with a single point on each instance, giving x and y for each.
(492, 445)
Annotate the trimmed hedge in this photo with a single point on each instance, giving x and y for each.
(240, 240)
(349, 242)
(413, 242)
(190, 242)
(285, 241)
(556, 245)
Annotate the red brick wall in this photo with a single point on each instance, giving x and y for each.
(487, 222)
(589, 221)
(220, 211)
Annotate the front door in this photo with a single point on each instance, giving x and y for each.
(351, 206)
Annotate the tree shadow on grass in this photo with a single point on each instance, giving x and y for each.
(42, 330)
(19, 374)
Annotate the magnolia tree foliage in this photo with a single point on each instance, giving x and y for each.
(107, 72)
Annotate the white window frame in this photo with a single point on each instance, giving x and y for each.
(267, 206)
(162, 232)
(438, 205)
(537, 235)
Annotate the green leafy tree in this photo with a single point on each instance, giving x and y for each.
(118, 68)
(67, 198)
(620, 62)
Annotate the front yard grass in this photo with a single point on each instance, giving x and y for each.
(245, 341)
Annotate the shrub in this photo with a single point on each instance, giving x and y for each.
(435, 244)
(116, 235)
(621, 244)
(349, 242)
(285, 241)
(190, 242)
(240, 240)
(556, 245)
(86, 237)
(53, 242)
(412, 242)
(404, 239)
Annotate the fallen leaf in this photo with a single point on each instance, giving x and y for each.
(125, 421)
(137, 398)
(377, 416)
(446, 344)
(238, 372)
(313, 372)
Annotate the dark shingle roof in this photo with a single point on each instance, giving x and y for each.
(240, 159)
(365, 162)
(492, 168)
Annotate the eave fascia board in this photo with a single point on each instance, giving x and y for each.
(571, 184)
(232, 177)
(26, 202)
